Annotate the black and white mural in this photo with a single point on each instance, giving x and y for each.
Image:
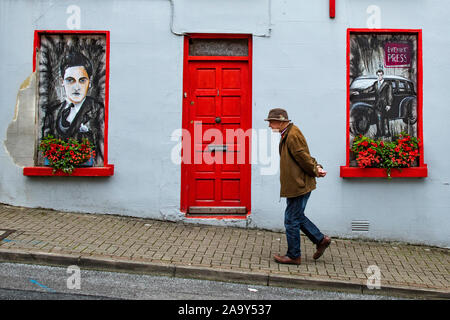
(71, 91)
(383, 85)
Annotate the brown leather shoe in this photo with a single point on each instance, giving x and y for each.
(287, 260)
(321, 247)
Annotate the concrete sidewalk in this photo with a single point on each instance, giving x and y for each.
(118, 243)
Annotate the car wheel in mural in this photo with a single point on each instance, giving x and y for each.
(71, 102)
(360, 119)
(383, 86)
(411, 108)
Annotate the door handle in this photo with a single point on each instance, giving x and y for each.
(218, 120)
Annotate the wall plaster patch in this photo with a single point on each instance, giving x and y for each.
(20, 135)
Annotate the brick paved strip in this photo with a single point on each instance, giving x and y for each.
(221, 252)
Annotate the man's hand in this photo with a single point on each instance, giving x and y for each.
(388, 108)
(322, 173)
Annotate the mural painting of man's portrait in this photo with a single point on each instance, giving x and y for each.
(71, 72)
(383, 85)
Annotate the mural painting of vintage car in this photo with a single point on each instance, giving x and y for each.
(362, 113)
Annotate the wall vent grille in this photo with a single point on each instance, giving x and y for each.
(360, 226)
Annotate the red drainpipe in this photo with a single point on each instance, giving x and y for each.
(332, 9)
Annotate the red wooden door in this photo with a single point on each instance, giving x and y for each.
(218, 105)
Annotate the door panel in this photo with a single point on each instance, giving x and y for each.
(206, 106)
(231, 106)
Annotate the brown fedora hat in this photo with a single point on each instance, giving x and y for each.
(277, 114)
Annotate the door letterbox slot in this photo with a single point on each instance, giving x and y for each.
(217, 147)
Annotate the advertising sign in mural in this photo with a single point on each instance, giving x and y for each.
(71, 91)
(383, 85)
(397, 55)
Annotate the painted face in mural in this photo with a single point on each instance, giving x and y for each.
(76, 83)
(380, 75)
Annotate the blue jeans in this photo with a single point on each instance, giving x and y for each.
(294, 221)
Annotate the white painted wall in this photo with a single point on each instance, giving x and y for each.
(298, 63)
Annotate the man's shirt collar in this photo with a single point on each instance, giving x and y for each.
(74, 110)
(284, 131)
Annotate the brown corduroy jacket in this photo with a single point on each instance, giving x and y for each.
(297, 168)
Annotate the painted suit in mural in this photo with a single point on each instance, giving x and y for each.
(87, 123)
(383, 98)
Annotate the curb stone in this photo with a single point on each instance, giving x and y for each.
(407, 292)
(39, 257)
(314, 284)
(222, 275)
(182, 271)
(110, 264)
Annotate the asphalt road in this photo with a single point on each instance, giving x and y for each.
(35, 282)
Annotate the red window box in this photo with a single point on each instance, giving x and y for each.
(355, 172)
(105, 171)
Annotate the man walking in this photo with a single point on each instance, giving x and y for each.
(297, 177)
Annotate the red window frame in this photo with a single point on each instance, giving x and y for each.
(184, 201)
(107, 169)
(414, 172)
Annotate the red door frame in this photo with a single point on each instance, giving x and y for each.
(184, 198)
(414, 172)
